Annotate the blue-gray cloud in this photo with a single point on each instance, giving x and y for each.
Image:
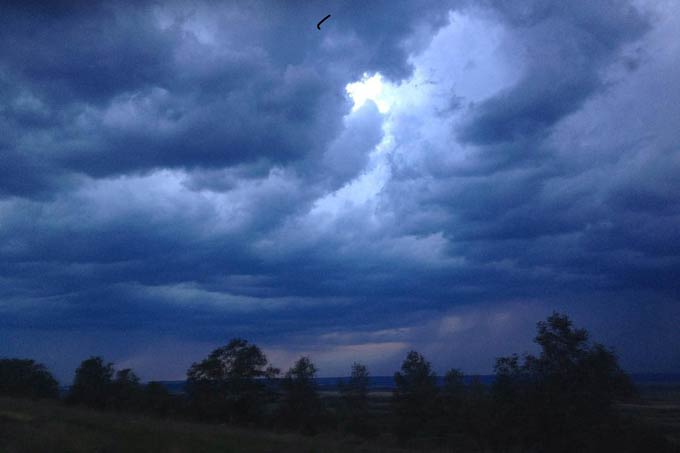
(186, 173)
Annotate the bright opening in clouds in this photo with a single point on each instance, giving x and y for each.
(368, 88)
(429, 175)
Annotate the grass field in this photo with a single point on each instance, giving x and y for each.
(44, 426)
(659, 405)
(50, 426)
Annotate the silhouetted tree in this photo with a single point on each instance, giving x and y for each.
(464, 412)
(415, 396)
(477, 415)
(126, 391)
(158, 399)
(355, 390)
(556, 400)
(230, 383)
(451, 398)
(454, 384)
(511, 395)
(301, 407)
(92, 383)
(26, 378)
(354, 395)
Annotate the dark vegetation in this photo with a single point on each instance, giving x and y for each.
(26, 378)
(567, 398)
(231, 384)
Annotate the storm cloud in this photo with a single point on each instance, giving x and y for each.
(173, 175)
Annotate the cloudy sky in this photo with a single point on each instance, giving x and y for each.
(429, 175)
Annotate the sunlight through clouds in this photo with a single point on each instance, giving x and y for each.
(369, 88)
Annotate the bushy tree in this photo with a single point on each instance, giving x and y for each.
(92, 383)
(557, 399)
(157, 398)
(477, 415)
(464, 411)
(452, 397)
(511, 394)
(26, 378)
(354, 394)
(355, 390)
(300, 406)
(230, 383)
(126, 391)
(415, 396)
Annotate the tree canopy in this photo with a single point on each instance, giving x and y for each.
(414, 396)
(230, 382)
(354, 393)
(26, 378)
(92, 383)
(569, 387)
(300, 406)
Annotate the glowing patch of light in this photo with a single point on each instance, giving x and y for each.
(368, 88)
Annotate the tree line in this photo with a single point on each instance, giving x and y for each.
(559, 400)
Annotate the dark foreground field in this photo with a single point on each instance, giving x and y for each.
(658, 406)
(49, 426)
(44, 426)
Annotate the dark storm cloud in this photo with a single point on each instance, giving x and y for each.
(566, 47)
(118, 88)
(565, 187)
(186, 173)
(86, 52)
